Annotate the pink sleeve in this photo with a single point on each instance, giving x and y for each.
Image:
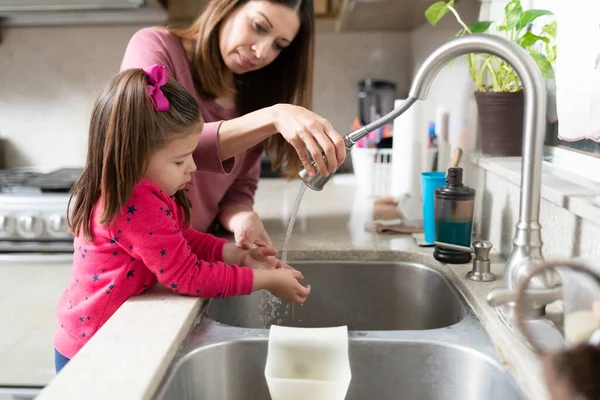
(148, 226)
(154, 46)
(205, 246)
(147, 47)
(207, 156)
(242, 190)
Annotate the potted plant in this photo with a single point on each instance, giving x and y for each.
(498, 89)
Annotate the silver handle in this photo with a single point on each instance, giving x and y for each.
(497, 297)
(454, 247)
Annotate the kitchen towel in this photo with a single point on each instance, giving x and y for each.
(578, 69)
(387, 218)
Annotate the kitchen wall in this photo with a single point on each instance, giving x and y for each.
(50, 76)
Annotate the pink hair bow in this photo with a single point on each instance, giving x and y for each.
(157, 77)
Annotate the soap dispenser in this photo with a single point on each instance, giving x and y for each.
(454, 204)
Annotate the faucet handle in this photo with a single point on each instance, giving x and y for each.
(500, 296)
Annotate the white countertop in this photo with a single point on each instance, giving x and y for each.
(128, 357)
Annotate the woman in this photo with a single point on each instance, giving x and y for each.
(249, 64)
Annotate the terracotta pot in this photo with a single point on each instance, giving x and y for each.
(500, 123)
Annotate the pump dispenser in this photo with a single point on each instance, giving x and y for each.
(454, 204)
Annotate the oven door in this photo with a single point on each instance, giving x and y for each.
(31, 285)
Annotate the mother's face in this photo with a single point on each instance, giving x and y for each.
(254, 34)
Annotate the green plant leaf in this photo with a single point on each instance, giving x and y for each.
(513, 11)
(529, 39)
(529, 16)
(436, 11)
(543, 64)
(551, 53)
(550, 29)
(502, 28)
(480, 26)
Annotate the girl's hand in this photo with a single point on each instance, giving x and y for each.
(304, 130)
(260, 258)
(283, 283)
(250, 232)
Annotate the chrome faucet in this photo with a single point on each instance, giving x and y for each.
(527, 241)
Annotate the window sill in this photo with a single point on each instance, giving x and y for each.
(573, 192)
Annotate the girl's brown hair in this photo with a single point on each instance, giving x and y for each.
(288, 79)
(124, 131)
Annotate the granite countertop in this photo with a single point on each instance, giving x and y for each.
(129, 356)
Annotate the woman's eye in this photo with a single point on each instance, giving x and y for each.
(278, 47)
(259, 28)
(179, 163)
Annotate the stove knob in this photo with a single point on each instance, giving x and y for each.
(7, 225)
(30, 226)
(57, 224)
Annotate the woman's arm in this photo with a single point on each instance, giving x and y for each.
(303, 129)
(235, 208)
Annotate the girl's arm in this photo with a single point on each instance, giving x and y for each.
(148, 231)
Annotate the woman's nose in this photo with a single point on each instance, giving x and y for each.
(261, 49)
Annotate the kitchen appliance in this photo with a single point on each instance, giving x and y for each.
(33, 210)
(375, 99)
(36, 254)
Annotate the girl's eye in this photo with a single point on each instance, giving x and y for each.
(179, 163)
(278, 47)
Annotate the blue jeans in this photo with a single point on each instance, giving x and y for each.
(59, 361)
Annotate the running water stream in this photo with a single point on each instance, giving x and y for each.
(270, 306)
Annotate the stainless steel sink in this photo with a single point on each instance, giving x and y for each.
(381, 369)
(361, 295)
(412, 336)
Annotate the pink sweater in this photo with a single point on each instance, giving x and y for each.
(147, 243)
(216, 182)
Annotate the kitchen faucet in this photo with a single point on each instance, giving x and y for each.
(527, 241)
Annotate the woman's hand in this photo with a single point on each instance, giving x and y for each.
(306, 131)
(249, 231)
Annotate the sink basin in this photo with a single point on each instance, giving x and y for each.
(381, 369)
(362, 295)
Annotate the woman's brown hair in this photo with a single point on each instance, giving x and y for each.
(124, 132)
(288, 79)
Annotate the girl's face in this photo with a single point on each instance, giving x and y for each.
(171, 167)
(254, 34)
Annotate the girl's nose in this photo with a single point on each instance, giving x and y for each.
(192, 166)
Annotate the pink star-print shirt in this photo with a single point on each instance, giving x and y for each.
(146, 243)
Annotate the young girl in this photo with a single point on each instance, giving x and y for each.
(131, 218)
